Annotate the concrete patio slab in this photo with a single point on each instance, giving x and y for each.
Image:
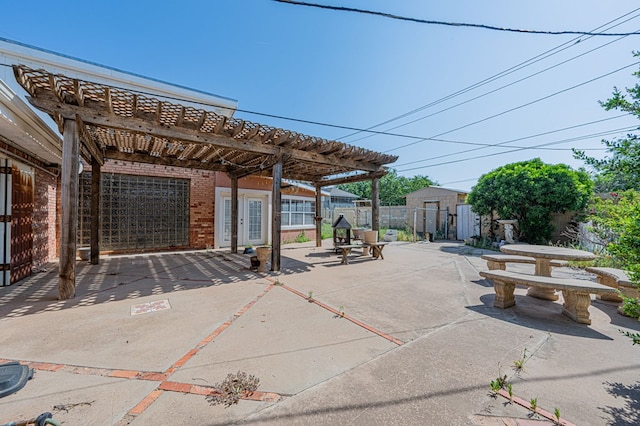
(419, 344)
(289, 343)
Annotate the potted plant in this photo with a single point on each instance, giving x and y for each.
(264, 254)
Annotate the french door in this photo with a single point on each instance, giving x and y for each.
(251, 220)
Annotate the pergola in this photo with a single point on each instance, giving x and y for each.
(100, 122)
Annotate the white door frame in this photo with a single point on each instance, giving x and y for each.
(244, 195)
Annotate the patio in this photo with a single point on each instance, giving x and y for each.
(147, 336)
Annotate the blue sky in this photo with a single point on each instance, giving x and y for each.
(356, 70)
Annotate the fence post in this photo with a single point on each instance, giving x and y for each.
(415, 219)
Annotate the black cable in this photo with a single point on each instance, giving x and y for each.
(493, 91)
(514, 150)
(449, 24)
(504, 73)
(515, 108)
(503, 143)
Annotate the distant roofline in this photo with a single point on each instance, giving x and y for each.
(231, 103)
(439, 187)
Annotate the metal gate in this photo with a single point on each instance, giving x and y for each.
(468, 222)
(16, 217)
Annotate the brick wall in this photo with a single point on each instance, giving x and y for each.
(45, 239)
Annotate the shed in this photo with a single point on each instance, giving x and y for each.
(434, 210)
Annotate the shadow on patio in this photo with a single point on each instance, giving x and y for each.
(131, 277)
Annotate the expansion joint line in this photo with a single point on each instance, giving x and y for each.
(345, 316)
(189, 388)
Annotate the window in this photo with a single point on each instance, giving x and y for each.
(137, 212)
(298, 213)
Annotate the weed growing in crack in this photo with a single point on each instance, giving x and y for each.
(533, 403)
(310, 298)
(498, 383)
(510, 390)
(518, 364)
(556, 413)
(234, 387)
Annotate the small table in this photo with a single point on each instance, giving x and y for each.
(376, 248)
(543, 256)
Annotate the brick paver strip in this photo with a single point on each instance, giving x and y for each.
(146, 402)
(540, 411)
(347, 317)
(186, 387)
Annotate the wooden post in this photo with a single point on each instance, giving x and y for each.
(96, 175)
(69, 210)
(318, 216)
(375, 204)
(234, 214)
(277, 216)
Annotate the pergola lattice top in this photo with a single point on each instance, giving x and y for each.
(119, 124)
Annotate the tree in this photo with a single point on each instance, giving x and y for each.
(616, 220)
(621, 170)
(392, 188)
(530, 191)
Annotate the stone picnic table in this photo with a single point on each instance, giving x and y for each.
(543, 256)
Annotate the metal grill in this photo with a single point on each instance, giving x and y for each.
(137, 212)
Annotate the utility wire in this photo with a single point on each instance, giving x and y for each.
(493, 91)
(514, 108)
(510, 140)
(513, 150)
(520, 148)
(450, 24)
(544, 55)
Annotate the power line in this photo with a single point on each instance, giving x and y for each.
(514, 108)
(501, 74)
(449, 24)
(517, 149)
(483, 146)
(494, 90)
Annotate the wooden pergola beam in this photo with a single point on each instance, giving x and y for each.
(138, 125)
(349, 179)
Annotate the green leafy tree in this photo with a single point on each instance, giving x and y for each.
(530, 191)
(392, 188)
(621, 170)
(616, 220)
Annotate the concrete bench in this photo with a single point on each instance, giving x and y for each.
(499, 261)
(577, 293)
(616, 278)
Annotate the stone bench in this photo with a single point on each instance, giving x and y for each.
(576, 293)
(616, 278)
(499, 261)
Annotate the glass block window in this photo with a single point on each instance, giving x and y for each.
(298, 212)
(137, 212)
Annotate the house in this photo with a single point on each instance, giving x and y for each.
(439, 212)
(147, 173)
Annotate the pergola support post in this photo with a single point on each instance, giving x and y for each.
(276, 224)
(234, 214)
(96, 175)
(375, 204)
(69, 211)
(318, 216)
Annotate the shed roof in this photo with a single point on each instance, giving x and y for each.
(122, 124)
